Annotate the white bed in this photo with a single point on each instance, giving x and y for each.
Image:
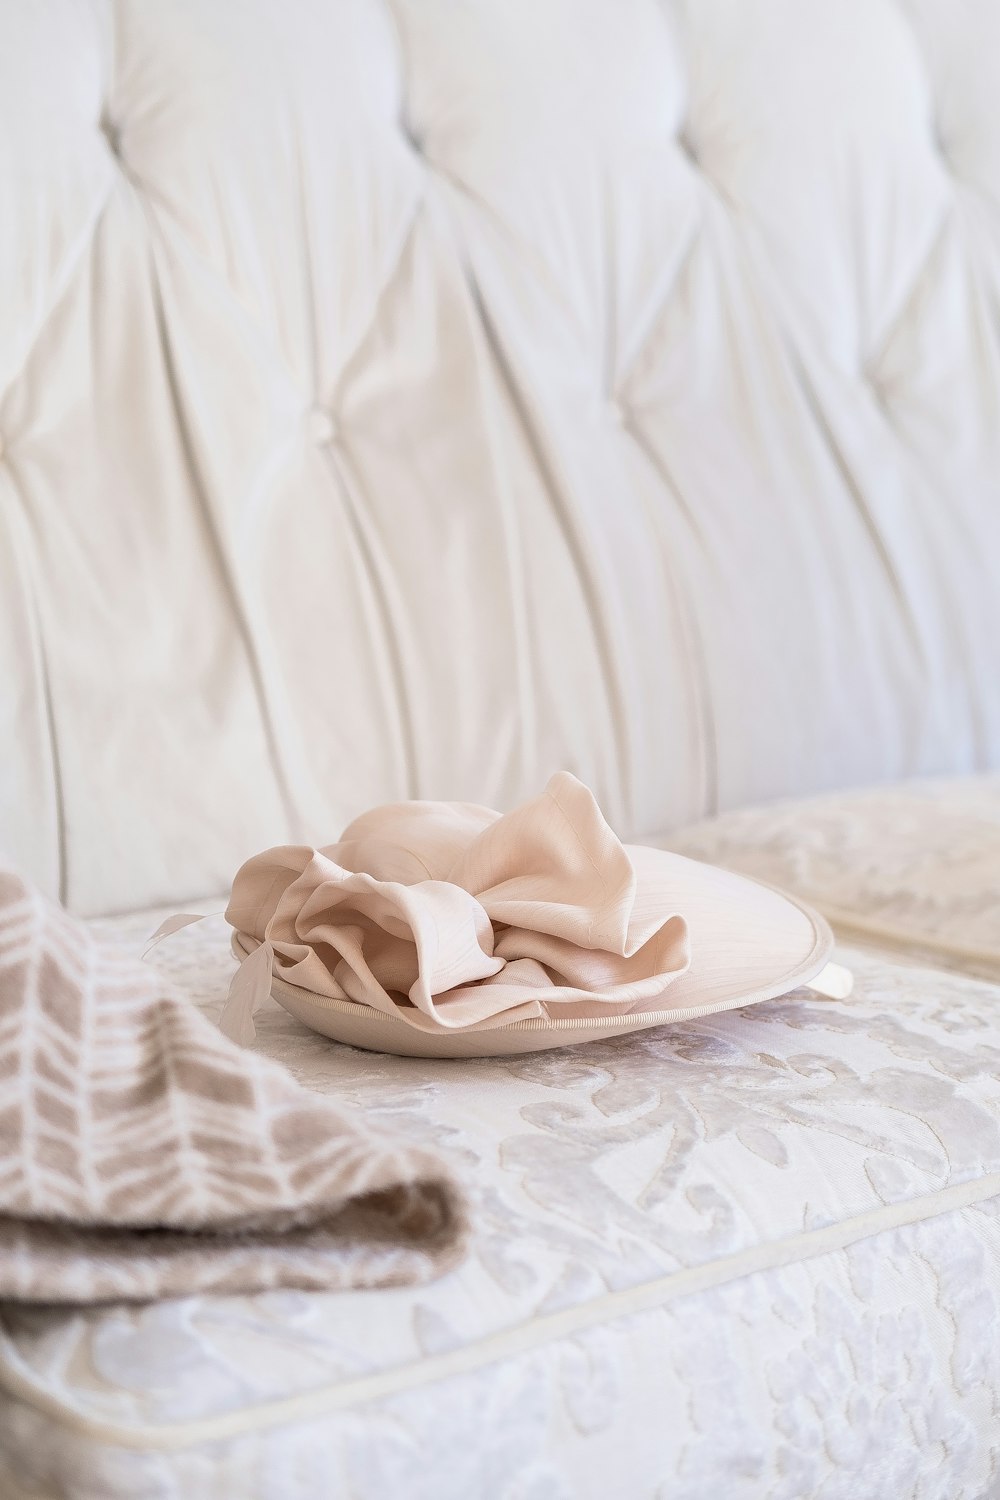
(411, 399)
(752, 1255)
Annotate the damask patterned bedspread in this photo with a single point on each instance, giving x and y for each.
(752, 1255)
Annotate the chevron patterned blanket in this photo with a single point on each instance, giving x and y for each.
(143, 1155)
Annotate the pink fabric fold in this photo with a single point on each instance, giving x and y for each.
(449, 915)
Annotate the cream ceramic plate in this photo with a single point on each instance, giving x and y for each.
(362, 1026)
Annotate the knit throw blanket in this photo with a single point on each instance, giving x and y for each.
(143, 1155)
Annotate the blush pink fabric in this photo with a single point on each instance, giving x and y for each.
(449, 915)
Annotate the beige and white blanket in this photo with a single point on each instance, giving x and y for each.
(143, 1155)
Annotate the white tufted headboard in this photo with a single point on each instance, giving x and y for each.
(410, 400)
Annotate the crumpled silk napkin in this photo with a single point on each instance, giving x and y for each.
(449, 915)
(142, 1155)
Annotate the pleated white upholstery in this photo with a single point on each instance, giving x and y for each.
(412, 399)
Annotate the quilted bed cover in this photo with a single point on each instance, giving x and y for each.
(756, 1254)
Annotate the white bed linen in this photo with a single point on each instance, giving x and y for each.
(755, 1254)
(914, 867)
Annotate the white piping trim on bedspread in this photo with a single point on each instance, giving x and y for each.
(18, 1380)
